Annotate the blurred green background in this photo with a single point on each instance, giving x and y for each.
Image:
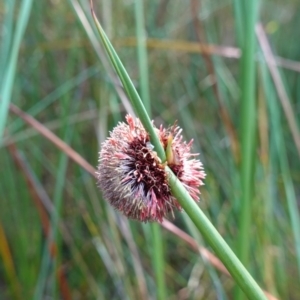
(58, 238)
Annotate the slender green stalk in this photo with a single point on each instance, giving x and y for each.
(248, 122)
(142, 54)
(214, 239)
(159, 262)
(131, 91)
(234, 266)
(7, 85)
(45, 265)
(6, 35)
(157, 245)
(239, 25)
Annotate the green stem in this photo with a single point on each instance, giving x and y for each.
(157, 245)
(142, 54)
(238, 17)
(158, 260)
(248, 122)
(7, 86)
(214, 239)
(131, 91)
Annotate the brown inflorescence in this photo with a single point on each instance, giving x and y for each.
(133, 178)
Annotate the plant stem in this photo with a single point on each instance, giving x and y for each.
(158, 260)
(6, 87)
(131, 91)
(142, 54)
(157, 244)
(248, 122)
(214, 239)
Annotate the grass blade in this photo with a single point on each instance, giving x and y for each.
(157, 248)
(233, 265)
(7, 85)
(130, 89)
(142, 54)
(248, 124)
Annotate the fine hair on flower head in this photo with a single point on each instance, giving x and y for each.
(133, 178)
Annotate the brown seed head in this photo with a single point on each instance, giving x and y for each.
(133, 178)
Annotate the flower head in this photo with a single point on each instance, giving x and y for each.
(133, 178)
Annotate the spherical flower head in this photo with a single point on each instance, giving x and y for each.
(133, 178)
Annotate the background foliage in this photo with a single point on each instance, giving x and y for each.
(58, 238)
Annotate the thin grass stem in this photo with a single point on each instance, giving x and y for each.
(214, 239)
(130, 89)
(248, 125)
(7, 85)
(157, 245)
